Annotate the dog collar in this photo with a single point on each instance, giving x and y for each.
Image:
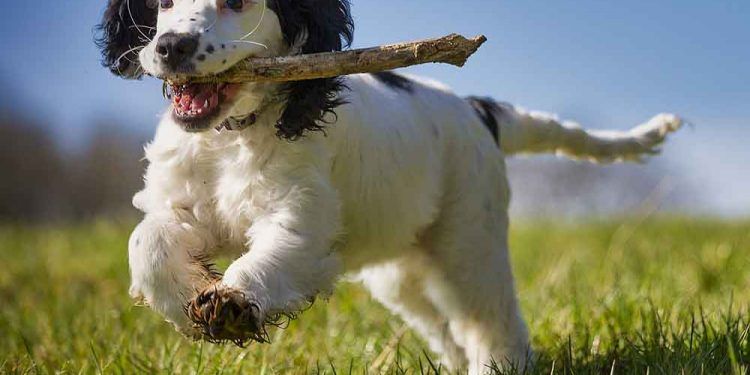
(238, 123)
(241, 123)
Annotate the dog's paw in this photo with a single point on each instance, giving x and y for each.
(223, 314)
(137, 296)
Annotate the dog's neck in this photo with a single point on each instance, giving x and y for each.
(260, 100)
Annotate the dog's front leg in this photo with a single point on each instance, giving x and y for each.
(290, 260)
(167, 253)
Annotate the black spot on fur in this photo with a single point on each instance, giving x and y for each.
(126, 25)
(210, 48)
(328, 26)
(489, 111)
(201, 57)
(395, 81)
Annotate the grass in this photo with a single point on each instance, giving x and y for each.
(660, 296)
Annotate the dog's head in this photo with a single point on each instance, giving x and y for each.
(179, 39)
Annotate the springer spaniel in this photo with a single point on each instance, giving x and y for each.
(391, 179)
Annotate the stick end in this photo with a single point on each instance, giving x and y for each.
(471, 47)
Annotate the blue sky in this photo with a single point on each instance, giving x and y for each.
(605, 64)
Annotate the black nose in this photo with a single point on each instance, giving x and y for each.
(176, 49)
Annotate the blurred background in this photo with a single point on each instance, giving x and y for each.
(650, 248)
(71, 134)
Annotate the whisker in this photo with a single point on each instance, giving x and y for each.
(130, 13)
(143, 26)
(260, 21)
(131, 61)
(257, 26)
(117, 61)
(249, 42)
(212, 24)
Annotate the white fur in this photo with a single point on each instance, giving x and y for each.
(407, 192)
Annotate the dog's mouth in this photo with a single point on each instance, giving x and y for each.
(197, 105)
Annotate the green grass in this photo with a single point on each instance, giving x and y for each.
(653, 296)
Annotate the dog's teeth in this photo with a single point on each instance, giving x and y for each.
(205, 104)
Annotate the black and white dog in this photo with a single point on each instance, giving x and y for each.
(390, 179)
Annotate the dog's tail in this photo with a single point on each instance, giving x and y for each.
(518, 131)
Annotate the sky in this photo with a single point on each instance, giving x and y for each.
(608, 65)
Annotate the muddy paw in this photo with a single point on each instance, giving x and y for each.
(224, 314)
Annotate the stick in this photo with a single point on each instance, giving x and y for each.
(452, 49)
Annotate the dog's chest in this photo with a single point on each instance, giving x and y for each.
(239, 194)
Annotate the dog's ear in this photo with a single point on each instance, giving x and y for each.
(312, 26)
(127, 26)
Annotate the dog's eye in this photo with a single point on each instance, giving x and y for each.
(235, 5)
(166, 4)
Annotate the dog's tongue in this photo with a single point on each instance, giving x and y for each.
(193, 100)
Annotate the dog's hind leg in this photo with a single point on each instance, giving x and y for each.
(399, 285)
(478, 296)
(473, 282)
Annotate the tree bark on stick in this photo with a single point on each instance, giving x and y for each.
(452, 49)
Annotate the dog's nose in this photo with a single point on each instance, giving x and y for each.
(176, 49)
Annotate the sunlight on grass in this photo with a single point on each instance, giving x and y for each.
(662, 296)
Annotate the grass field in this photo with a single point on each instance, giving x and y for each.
(636, 296)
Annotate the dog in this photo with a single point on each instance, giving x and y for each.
(392, 180)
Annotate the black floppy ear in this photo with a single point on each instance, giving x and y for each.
(127, 25)
(321, 26)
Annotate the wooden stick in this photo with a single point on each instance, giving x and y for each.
(452, 49)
